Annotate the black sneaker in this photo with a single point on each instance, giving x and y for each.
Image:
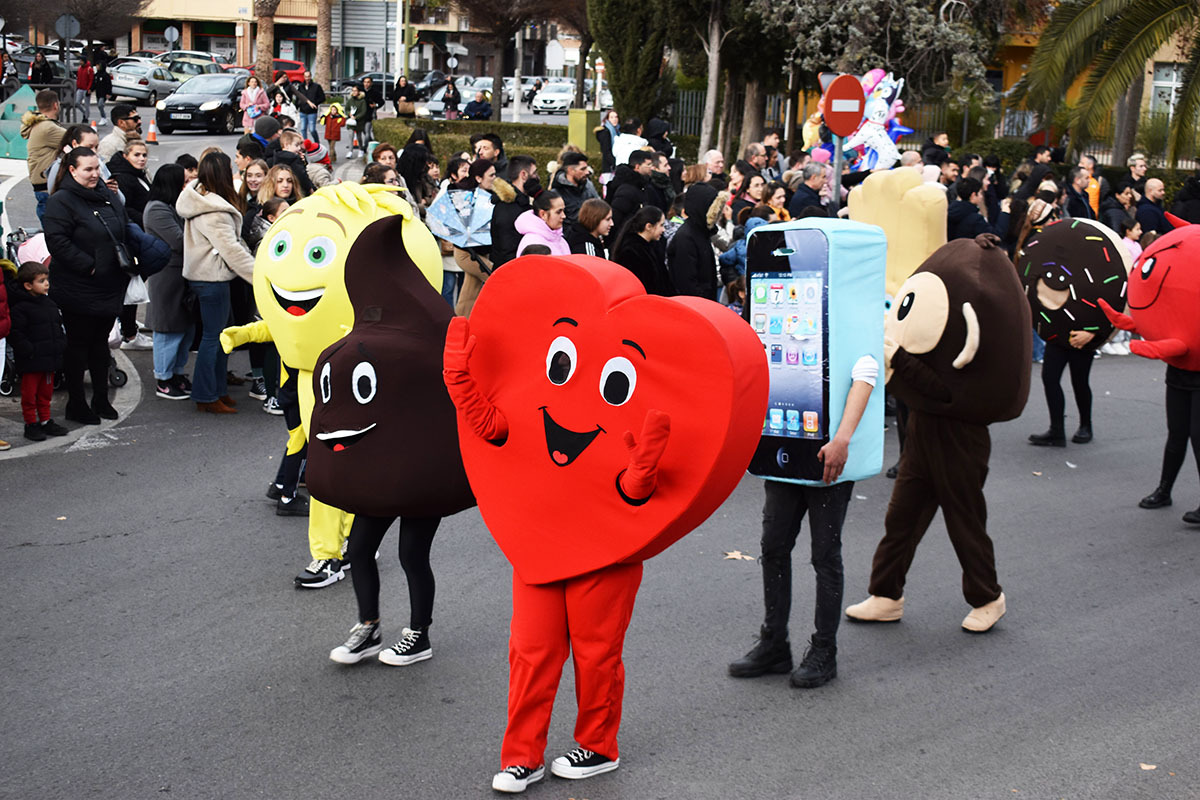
(52, 428)
(817, 668)
(1050, 438)
(515, 780)
(766, 656)
(582, 763)
(296, 507)
(413, 647)
(274, 491)
(320, 573)
(258, 389)
(183, 383)
(364, 642)
(272, 407)
(34, 433)
(170, 390)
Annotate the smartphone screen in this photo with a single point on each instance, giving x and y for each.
(787, 291)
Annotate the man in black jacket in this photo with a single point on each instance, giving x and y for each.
(690, 255)
(627, 189)
(374, 95)
(965, 219)
(1077, 202)
(571, 181)
(660, 192)
(309, 96)
(512, 199)
(809, 192)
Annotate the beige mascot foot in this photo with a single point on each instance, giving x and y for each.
(877, 609)
(981, 619)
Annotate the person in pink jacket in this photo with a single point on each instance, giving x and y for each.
(543, 224)
(254, 103)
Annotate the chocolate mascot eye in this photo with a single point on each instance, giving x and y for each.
(906, 305)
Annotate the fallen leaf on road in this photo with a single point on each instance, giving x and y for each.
(60, 519)
(1148, 766)
(1037, 474)
(737, 555)
(860, 497)
(1072, 466)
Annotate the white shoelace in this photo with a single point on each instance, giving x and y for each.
(579, 754)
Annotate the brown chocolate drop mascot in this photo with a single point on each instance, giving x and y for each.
(957, 350)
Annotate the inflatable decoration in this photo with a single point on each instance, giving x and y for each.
(872, 137)
(1164, 298)
(384, 430)
(1067, 267)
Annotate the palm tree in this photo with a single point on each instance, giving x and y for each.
(1110, 41)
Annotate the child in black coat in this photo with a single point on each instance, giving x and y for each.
(39, 342)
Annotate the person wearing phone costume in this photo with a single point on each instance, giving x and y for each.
(852, 258)
(385, 442)
(588, 455)
(1164, 298)
(300, 291)
(957, 346)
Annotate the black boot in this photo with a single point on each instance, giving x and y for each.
(1159, 498)
(893, 470)
(102, 408)
(1192, 517)
(1051, 438)
(1084, 434)
(770, 654)
(817, 668)
(34, 433)
(81, 413)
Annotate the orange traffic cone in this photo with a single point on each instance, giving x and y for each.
(93, 124)
(152, 134)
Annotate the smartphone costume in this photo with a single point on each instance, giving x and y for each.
(957, 349)
(589, 453)
(852, 257)
(300, 291)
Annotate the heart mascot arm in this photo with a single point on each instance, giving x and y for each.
(485, 419)
(1159, 348)
(239, 335)
(637, 481)
(1122, 321)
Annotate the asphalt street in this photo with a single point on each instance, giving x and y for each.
(154, 645)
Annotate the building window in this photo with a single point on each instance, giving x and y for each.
(1168, 80)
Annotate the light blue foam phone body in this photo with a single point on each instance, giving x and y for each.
(856, 269)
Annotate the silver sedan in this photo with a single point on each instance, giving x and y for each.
(144, 82)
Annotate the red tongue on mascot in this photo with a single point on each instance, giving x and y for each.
(618, 421)
(1164, 298)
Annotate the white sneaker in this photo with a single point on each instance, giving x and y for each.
(139, 342)
(515, 780)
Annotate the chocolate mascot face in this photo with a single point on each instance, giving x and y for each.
(384, 439)
(962, 324)
(1067, 267)
(1164, 293)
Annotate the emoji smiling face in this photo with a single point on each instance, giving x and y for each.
(1164, 292)
(574, 354)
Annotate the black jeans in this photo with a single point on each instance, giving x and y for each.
(1055, 361)
(1183, 423)
(783, 512)
(416, 540)
(87, 349)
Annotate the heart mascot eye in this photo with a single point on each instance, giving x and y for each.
(561, 361)
(617, 381)
(1147, 268)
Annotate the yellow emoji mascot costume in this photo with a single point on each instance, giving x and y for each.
(300, 290)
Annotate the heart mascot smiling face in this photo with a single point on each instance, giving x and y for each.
(582, 364)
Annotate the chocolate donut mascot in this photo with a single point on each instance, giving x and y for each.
(598, 425)
(1164, 308)
(957, 346)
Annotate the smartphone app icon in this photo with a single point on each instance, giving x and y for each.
(776, 419)
(776, 326)
(810, 422)
(810, 356)
(791, 324)
(808, 326)
(793, 355)
(776, 354)
(760, 323)
(793, 293)
(811, 291)
(776, 292)
(793, 420)
(760, 293)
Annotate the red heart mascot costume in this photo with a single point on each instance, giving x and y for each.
(598, 426)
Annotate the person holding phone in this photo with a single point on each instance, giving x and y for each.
(784, 509)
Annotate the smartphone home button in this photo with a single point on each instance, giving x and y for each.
(782, 458)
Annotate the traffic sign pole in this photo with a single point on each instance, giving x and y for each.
(843, 105)
(837, 172)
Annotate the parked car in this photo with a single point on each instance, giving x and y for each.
(430, 82)
(205, 55)
(294, 69)
(186, 66)
(205, 101)
(143, 81)
(486, 85)
(343, 84)
(154, 54)
(436, 107)
(13, 42)
(119, 60)
(25, 69)
(554, 99)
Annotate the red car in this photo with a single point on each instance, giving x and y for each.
(294, 69)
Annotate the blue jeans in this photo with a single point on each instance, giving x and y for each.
(308, 122)
(1039, 347)
(208, 377)
(42, 198)
(171, 353)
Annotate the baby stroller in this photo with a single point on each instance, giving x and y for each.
(27, 244)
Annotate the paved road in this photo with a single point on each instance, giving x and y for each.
(154, 645)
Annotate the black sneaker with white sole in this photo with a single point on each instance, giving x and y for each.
(583, 763)
(170, 390)
(364, 642)
(258, 389)
(413, 647)
(320, 573)
(515, 780)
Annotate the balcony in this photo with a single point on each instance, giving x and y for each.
(302, 9)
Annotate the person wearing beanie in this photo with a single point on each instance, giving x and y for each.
(319, 167)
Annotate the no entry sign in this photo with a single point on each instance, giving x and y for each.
(844, 103)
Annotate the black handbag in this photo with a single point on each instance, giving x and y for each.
(124, 260)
